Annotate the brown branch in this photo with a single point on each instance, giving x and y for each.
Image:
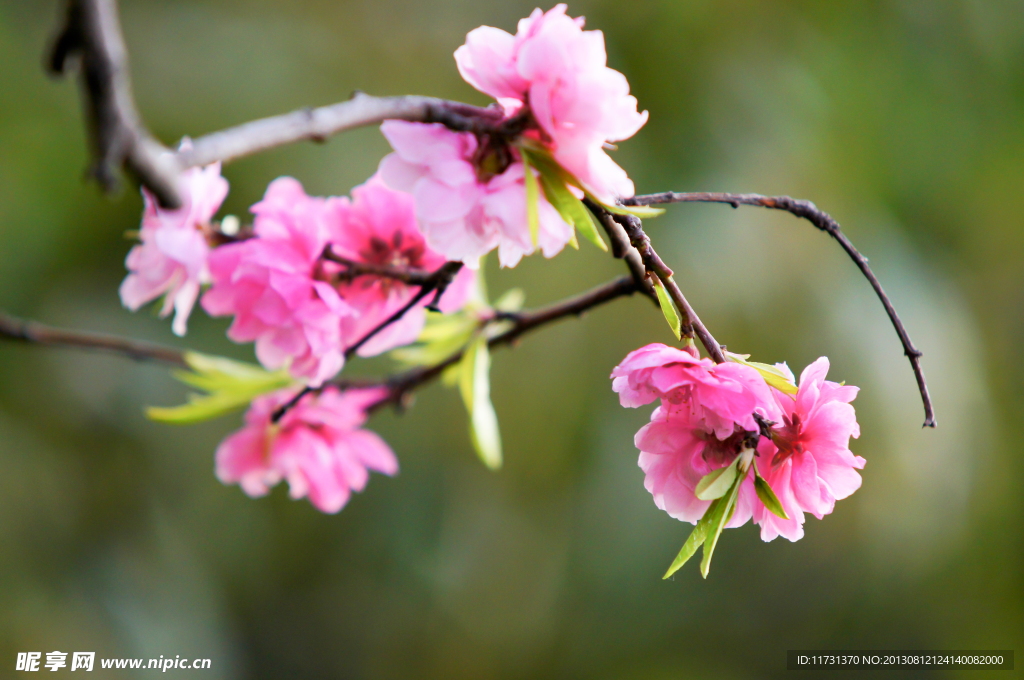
(630, 228)
(622, 250)
(522, 322)
(14, 328)
(436, 283)
(354, 269)
(92, 32)
(320, 123)
(824, 222)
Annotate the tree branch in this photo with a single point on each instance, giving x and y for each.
(436, 283)
(92, 32)
(522, 322)
(630, 228)
(14, 328)
(355, 269)
(320, 123)
(622, 250)
(824, 222)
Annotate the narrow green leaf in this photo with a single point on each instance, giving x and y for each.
(716, 483)
(207, 364)
(511, 300)
(486, 436)
(667, 308)
(641, 211)
(571, 208)
(432, 352)
(443, 326)
(532, 196)
(723, 512)
(474, 385)
(199, 408)
(442, 336)
(573, 241)
(695, 540)
(767, 496)
(548, 166)
(775, 377)
(586, 225)
(466, 383)
(229, 385)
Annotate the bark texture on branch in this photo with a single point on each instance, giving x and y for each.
(826, 223)
(32, 332)
(91, 35)
(317, 124)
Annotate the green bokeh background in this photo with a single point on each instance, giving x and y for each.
(903, 118)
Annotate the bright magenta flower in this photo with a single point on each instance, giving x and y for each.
(317, 447)
(705, 415)
(721, 397)
(467, 203)
(378, 226)
(560, 71)
(273, 286)
(808, 462)
(706, 411)
(676, 451)
(171, 260)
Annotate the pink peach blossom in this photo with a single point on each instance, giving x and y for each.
(808, 462)
(378, 226)
(171, 260)
(676, 451)
(317, 447)
(273, 286)
(463, 211)
(560, 71)
(706, 411)
(721, 396)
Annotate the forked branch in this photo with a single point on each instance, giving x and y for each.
(92, 34)
(824, 222)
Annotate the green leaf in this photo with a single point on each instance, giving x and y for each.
(199, 408)
(695, 540)
(716, 483)
(641, 211)
(555, 180)
(721, 516)
(668, 308)
(442, 336)
(586, 225)
(475, 387)
(767, 496)
(229, 384)
(571, 208)
(775, 377)
(511, 300)
(532, 195)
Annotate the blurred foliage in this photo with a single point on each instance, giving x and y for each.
(903, 118)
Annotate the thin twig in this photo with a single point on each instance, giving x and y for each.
(14, 328)
(92, 32)
(354, 269)
(320, 123)
(436, 283)
(398, 385)
(824, 222)
(288, 405)
(690, 323)
(522, 322)
(622, 250)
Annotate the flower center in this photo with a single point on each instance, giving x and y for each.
(491, 158)
(787, 439)
(718, 452)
